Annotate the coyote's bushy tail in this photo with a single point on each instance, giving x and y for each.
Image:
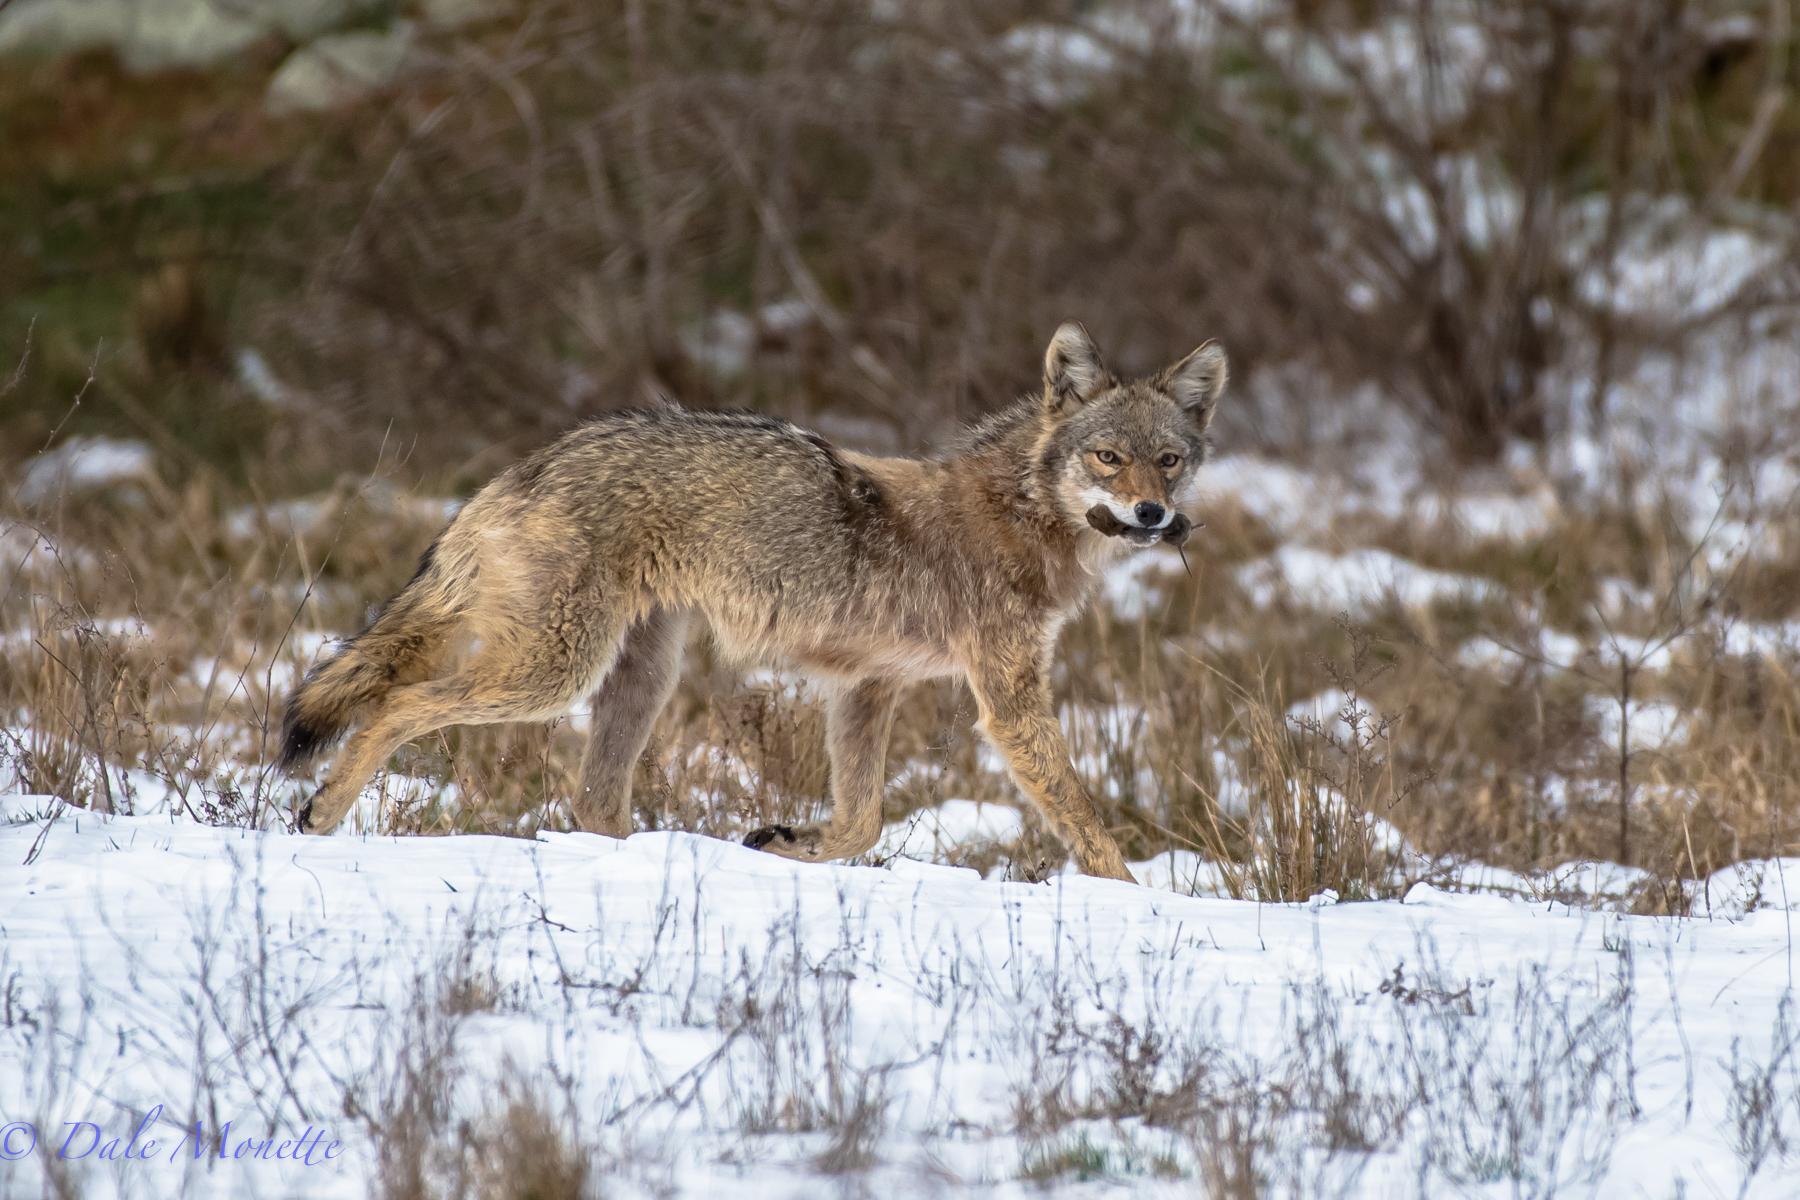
(400, 647)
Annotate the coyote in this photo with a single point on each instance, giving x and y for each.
(579, 569)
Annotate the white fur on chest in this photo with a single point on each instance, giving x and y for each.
(1096, 553)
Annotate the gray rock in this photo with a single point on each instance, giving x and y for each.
(341, 68)
(448, 14)
(302, 20)
(150, 35)
(186, 33)
(52, 27)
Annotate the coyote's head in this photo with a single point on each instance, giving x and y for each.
(1130, 447)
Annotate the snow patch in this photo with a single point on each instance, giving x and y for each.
(1650, 725)
(1554, 650)
(1281, 496)
(1743, 888)
(931, 833)
(84, 464)
(1355, 582)
(1133, 586)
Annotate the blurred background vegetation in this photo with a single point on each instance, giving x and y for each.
(529, 213)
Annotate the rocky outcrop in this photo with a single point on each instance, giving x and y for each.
(340, 68)
(152, 35)
(449, 14)
(325, 70)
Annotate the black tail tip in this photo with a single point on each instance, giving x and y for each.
(302, 741)
(762, 837)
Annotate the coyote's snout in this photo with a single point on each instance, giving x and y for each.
(580, 569)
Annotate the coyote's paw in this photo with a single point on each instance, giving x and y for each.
(303, 821)
(768, 833)
(786, 841)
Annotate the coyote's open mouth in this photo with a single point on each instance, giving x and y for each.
(1174, 533)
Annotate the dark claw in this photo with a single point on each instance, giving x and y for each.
(767, 834)
(304, 824)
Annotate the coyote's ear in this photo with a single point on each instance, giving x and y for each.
(1072, 368)
(1196, 381)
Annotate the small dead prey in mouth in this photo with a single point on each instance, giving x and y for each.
(1175, 533)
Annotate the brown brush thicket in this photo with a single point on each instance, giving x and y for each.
(875, 212)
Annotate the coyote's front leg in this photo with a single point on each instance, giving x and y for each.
(856, 727)
(1016, 716)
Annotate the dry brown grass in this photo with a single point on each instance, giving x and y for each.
(150, 646)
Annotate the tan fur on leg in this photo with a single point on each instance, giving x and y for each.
(857, 725)
(624, 708)
(514, 681)
(1016, 716)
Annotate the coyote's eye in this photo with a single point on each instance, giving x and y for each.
(1107, 458)
(1169, 461)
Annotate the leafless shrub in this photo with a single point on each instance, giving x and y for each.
(792, 1018)
(409, 1110)
(524, 1151)
(1760, 1107)
(520, 1147)
(55, 1049)
(1232, 1141)
(1538, 1096)
(858, 1127)
(524, 1142)
(1308, 824)
(1525, 1083)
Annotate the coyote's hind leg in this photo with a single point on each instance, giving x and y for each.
(624, 709)
(514, 680)
(856, 727)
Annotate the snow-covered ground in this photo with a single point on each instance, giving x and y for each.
(718, 1021)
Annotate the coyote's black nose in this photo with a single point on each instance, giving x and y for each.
(1148, 512)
